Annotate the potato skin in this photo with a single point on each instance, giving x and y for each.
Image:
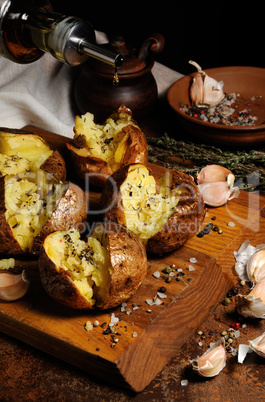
(182, 225)
(136, 151)
(70, 212)
(129, 262)
(59, 285)
(55, 164)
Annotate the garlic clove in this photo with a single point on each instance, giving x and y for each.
(258, 345)
(256, 266)
(216, 194)
(211, 173)
(213, 91)
(210, 94)
(212, 361)
(253, 305)
(197, 90)
(14, 283)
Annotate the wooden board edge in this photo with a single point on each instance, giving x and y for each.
(144, 359)
(93, 365)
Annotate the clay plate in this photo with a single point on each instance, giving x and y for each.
(246, 81)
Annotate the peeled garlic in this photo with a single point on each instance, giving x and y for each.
(217, 193)
(211, 173)
(205, 91)
(256, 266)
(216, 185)
(212, 361)
(253, 305)
(13, 284)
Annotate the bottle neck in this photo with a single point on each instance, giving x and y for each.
(28, 29)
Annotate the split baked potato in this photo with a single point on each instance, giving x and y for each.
(102, 271)
(22, 151)
(99, 150)
(34, 204)
(164, 213)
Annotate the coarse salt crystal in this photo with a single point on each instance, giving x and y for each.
(114, 319)
(184, 383)
(193, 260)
(158, 302)
(134, 335)
(161, 295)
(231, 224)
(156, 274)
(191, 268)
(150, 302)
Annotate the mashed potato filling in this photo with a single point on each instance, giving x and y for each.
(14, 164)
(87, 261)
(30, 199)
(146, 207)
(28, 147)
(6, 264)
(106, 142)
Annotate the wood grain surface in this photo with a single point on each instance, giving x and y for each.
(146, 336)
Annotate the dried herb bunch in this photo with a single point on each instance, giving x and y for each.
(247, 166)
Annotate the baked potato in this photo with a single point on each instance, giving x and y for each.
(21, 151)
(102, 271)
(164, 213)
(34, 204)
(99, 150)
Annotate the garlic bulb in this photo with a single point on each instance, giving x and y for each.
(253, 305)
(211, 173)
(204, 90)
(14, 283)
(256, 266)
(216, 185)
(212, 361)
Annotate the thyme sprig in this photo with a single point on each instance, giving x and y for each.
(247, 166)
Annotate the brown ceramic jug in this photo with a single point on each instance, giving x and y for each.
(95, 89)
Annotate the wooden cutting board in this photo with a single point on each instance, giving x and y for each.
(133, 351)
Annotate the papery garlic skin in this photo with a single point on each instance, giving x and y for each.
(13, 286)
(242, 256)
(212, 173)
(204, 90)
(212, 361)
(256, 266)
(253, 305)
(258, 345)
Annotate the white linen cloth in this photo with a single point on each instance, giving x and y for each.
(41, 93)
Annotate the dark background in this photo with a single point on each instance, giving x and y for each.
(214, 34)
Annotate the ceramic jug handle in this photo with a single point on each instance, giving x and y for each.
(154, 44)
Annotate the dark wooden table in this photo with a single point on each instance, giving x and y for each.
(28, 374)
